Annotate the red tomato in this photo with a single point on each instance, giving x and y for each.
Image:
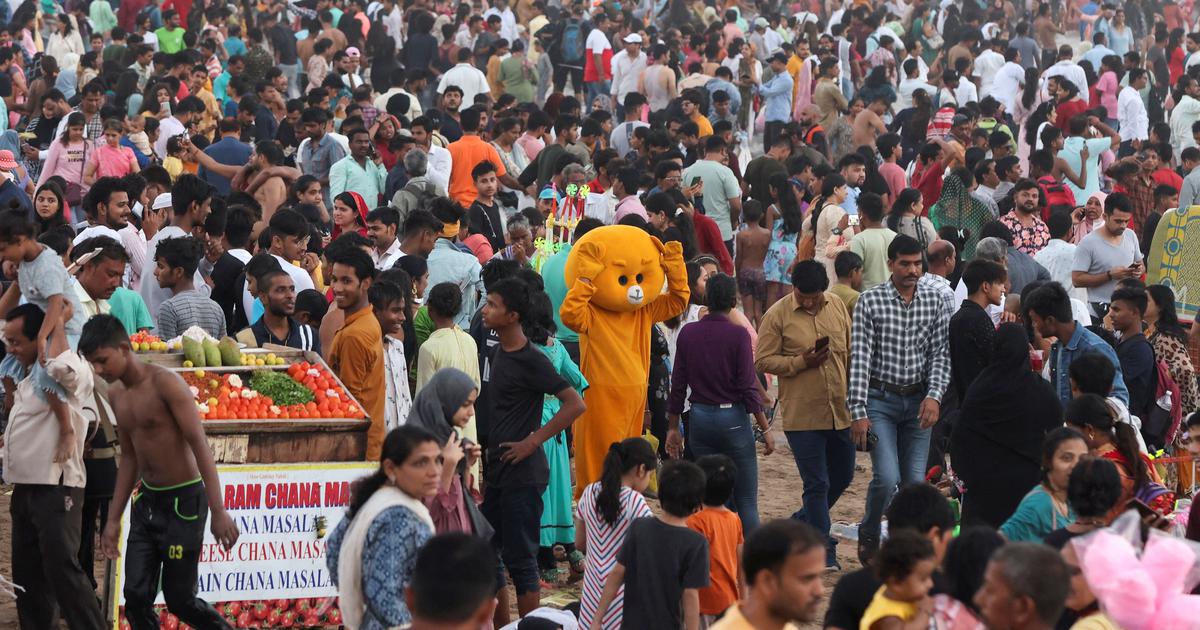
(172, 622)
(334, 616)
(243, 620)
(235, 609)
(288, 620)
(273, 617)
(260, 610)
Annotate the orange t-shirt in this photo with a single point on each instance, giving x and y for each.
(465, 155)
(723, 529)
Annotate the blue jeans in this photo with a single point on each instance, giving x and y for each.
(899, 455)
(825, 459)
(717, 430)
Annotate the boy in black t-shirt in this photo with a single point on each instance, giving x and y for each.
(484, 213)
(517, 471)
(663, 564)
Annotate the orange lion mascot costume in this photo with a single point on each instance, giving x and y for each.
(620, 282)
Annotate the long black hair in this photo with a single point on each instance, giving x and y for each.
(538, 322)
(785, 202)
(904, 201)
(397, 447)
(832, 182)
(622, 457)
(1168, 318)
(1090, 410)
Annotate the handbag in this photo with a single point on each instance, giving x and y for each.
(74, 192)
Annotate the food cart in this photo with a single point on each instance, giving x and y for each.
(286, 471)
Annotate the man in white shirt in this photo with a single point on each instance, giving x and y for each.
(1059, 255)
(467, 77)
(175, 125)
(440, 160)
(1009, 80)
(1067, 69)
(1131, 114)
(1185, 114)
(627, 66)
(965, 92)
(911, 83)
(508, 20)
(597, 44)
(622, 135)
(1190, 193)
(382, 225)
(466, 36)
(987, 64)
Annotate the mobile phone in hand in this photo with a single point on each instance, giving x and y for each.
(821, 344)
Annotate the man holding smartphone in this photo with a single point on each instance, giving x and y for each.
(804, 339)
(1108, 254)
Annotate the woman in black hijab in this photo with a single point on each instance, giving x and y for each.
(996, 445)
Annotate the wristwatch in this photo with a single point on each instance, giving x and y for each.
(836, 231)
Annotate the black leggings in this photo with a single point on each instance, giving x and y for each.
(166, 531)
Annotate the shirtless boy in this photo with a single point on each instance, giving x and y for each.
(749, 255)
(162, 448)
(868, 125)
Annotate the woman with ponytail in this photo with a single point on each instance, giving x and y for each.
(1117, 442)
(602, 519)
(371, 553)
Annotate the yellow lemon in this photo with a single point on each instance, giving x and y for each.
(188, 364)
(259, 362)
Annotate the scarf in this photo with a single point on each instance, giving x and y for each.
(439, 400)
(350, 576)
(957, 208)
(355, 201)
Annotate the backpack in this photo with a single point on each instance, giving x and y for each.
(1058, 197)
(1160, 425)
(571, 42)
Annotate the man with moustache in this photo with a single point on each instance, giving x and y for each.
(783, 562)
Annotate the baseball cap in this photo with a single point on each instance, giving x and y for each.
(780, 57)
(547, 193)
(161, 201)
(761, 22)
(353, 52)
(632, 38)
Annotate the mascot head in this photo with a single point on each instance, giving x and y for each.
(623, 262)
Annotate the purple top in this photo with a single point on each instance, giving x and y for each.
(713, 356)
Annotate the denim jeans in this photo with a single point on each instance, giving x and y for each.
(718, 430)
(515, 513)
(899, 456)
(825, 459)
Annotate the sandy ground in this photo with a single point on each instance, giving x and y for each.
(779, 495)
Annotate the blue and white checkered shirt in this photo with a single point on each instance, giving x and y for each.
(898, 343)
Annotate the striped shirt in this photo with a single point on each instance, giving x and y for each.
(604, 543)
(898, 343)
(189, 308)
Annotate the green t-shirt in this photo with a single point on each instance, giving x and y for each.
(170, 42)
(554, 279)
(720, 185)
(872, 245)
(128, 307)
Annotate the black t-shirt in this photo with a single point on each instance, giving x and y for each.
(283, 40)
(486, 341)
(660, 561)
(520, 381)
(227, 288)
(1059, 538)
(485, 220)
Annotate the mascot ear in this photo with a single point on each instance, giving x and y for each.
(658, 244)
(593, 250)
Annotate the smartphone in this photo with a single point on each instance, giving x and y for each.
(821, 344)
(695, 180)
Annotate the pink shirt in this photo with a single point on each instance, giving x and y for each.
(1108, 88)
(112, 162)
(894, 176)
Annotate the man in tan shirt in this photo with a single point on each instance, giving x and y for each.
(804, 339)
(828, 95)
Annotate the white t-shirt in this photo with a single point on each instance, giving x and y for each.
(597, 43)
(1006, 84)
(987, 64)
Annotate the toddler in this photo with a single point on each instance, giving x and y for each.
(905, 565)
(723, 530)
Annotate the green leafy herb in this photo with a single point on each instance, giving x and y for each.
(280, 388)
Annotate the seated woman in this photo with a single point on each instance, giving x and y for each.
(1003, 421)
(1092, 492)
(1116, 441)
(1045, 508)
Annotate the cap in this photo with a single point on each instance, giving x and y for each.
(161, 201)
(353, 52)
(780, 57)
(547, 193)
(960, 119)
(7, 161)
(761, 22)
(632, 38)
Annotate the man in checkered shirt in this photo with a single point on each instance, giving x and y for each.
(899, 369)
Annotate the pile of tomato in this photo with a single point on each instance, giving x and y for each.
(315, 612)
(227, 396)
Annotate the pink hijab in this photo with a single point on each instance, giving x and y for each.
(1085, 227)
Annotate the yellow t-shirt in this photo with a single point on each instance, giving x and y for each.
(881, 606)
(1095, 622)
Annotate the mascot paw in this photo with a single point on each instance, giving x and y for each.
(672, 250)
(591, 259)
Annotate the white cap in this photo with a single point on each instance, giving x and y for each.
(761, 22)
(632, 38)
(161, 201)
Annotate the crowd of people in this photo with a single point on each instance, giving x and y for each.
(918, 230)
